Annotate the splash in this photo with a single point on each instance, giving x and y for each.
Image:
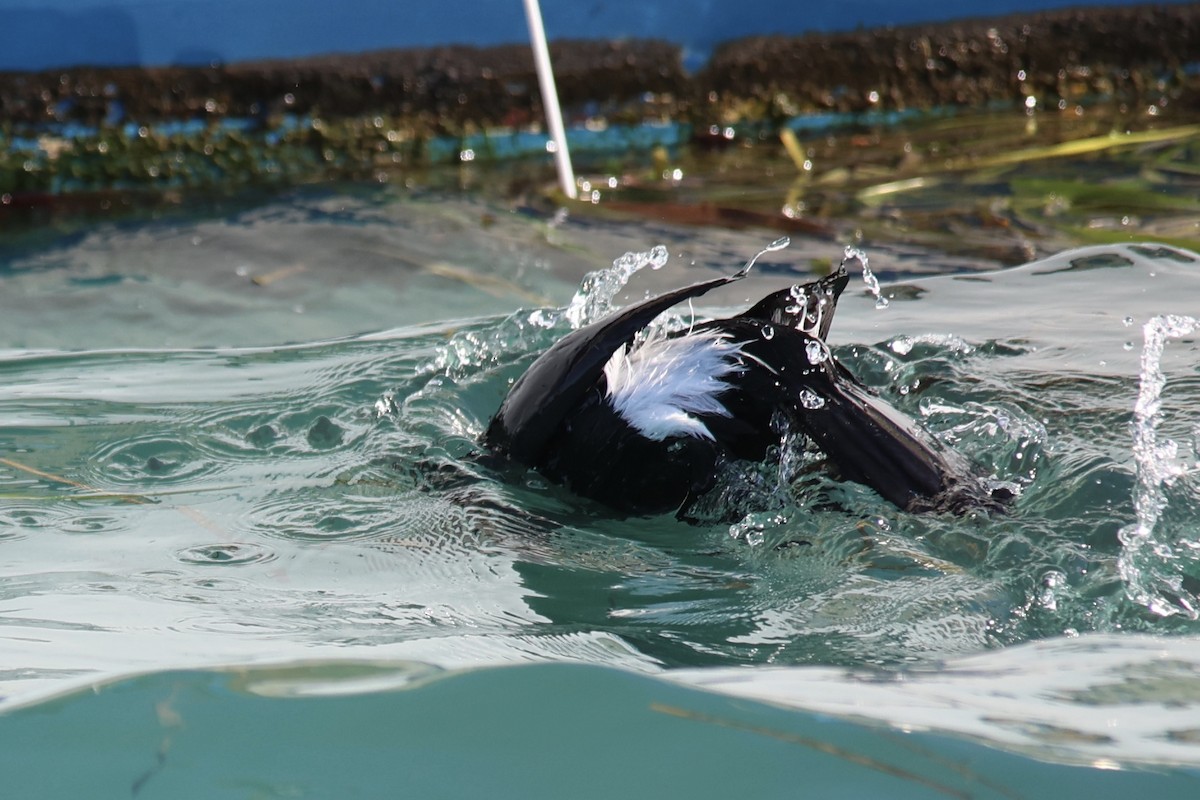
(778, 244)
(596, 293)
(476, 347)
(594, 298)
(1152, 558)
(854, 254)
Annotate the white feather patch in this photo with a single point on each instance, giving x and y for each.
(660, 384)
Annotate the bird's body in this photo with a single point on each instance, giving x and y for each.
(644, 423)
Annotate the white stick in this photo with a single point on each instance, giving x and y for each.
(541, 57)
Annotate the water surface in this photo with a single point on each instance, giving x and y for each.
(243, 441)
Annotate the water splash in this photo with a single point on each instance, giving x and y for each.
(1150, 562)
(778, 244)
(810, 400)
(854, 254)
(594, 298)
(468, 350)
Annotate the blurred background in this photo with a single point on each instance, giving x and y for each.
(64, 33)
(860, 119)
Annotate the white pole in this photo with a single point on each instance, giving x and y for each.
(541, 57)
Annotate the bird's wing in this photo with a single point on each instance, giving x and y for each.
(553, 385)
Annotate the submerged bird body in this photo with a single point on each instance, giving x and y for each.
(643, 423)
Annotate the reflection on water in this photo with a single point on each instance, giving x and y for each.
(185, 506)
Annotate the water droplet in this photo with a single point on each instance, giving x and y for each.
(1052, 584)
(386, 406)
(768, 332)
(855, 254)
(1128, 345)
(1127, 321)
(778, 244)
(810, 400)
(816, 351)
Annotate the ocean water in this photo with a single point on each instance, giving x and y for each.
(245, 550)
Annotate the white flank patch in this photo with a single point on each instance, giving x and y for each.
(662, 383)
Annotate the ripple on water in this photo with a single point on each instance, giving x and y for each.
(18, 519)
(249, 436)
(245, 431)
(829, 573)
(362, 502)
(225, 554)
(58, 514)
(321, 429)
(92, 523)
(150, 459)
(917, 618)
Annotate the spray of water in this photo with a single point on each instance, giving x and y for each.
(593, 300)
(854, 254)
(778, 244)
(596, 293)
(468, 350)
(1150, 561)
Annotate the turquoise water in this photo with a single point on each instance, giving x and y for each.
(244, 550)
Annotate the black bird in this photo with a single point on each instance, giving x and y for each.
(643, 422)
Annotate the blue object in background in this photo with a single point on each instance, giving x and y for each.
(60, 33)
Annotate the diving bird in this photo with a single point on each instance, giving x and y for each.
(643, 421)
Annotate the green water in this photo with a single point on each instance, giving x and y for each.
(297, 732)
(205, 471)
